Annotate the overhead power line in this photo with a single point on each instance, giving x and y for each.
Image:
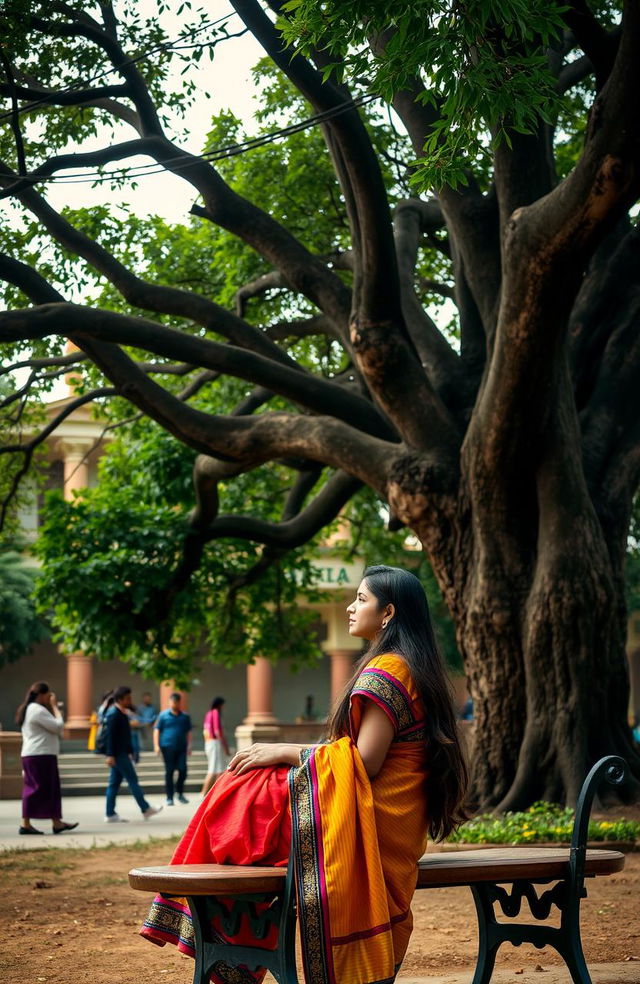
(83, 83)
(186, 160)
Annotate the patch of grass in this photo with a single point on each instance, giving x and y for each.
(25, 865)
(121, 880)
(148, 844)
(542, 822)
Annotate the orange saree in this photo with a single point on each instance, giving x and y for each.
(354, 843)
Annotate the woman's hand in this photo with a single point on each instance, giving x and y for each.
(262, 756)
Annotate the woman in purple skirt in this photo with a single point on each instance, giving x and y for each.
(41, 722)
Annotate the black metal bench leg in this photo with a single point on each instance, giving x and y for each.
(262, 912)
(574, 959)
(488, 941)
(198, 909)
(570, 942)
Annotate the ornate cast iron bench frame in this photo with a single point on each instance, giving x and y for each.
(484, 871)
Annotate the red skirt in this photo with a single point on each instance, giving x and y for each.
(243, 820)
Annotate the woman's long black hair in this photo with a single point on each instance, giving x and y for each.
(216, 703)
(410, 635)
(34, 691)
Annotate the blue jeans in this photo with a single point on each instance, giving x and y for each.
(123, 769)
(174, 761)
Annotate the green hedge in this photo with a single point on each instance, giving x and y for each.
(542, 822)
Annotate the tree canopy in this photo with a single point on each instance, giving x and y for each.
(20, 625)
(290, 324)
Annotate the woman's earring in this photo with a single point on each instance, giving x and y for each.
(384, 625)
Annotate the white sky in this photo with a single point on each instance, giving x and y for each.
(227, 80)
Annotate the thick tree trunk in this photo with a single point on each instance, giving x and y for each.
(542, 635)
(548, 674)
(573, 656)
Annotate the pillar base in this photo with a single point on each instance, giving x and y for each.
(259, 718)
(10, 765)
(248, 734)
(77, 728)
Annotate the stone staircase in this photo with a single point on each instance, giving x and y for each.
(84, 773)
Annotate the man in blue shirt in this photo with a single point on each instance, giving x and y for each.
(172, 736)
(119, 752)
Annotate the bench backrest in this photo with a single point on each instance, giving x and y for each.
(611, 769)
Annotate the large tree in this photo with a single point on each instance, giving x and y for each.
(512, 457)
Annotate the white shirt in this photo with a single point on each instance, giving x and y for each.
(41, 731)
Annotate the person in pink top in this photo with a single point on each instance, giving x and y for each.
(215, 744)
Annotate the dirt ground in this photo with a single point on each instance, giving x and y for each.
(69, 917)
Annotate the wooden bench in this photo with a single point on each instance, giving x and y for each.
(485, 872)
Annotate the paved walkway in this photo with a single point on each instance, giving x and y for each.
(92, 830)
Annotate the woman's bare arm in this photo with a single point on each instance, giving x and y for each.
(261, 755)
(374, 737)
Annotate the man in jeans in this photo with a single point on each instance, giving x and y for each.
(119, 753)
(172, 737)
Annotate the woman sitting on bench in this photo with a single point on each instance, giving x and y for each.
(354, 813)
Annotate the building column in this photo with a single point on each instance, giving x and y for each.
(260, 724)
(79, 667)
(76, 466)
(260, 692)
(342, 664)
(79, 695)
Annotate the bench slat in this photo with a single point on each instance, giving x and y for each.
(509, 864)
(207, 879)
(434, 871)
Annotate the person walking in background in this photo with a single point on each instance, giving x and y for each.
(41, 723)
(147, 715)
(106, 701)
(96, 719)
(215, 744)
(172, 737)
(466, 714)
(134, 722)
(119, 752)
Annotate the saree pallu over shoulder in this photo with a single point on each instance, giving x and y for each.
(356, 843)
(387, 682)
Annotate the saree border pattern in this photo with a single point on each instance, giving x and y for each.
(171, 917)
(389, 694)
(306, 837)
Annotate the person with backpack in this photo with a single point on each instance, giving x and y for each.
(119, 752)
(97, 739)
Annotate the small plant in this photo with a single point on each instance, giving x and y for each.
(541, 823)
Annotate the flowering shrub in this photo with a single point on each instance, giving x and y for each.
(541, 823)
